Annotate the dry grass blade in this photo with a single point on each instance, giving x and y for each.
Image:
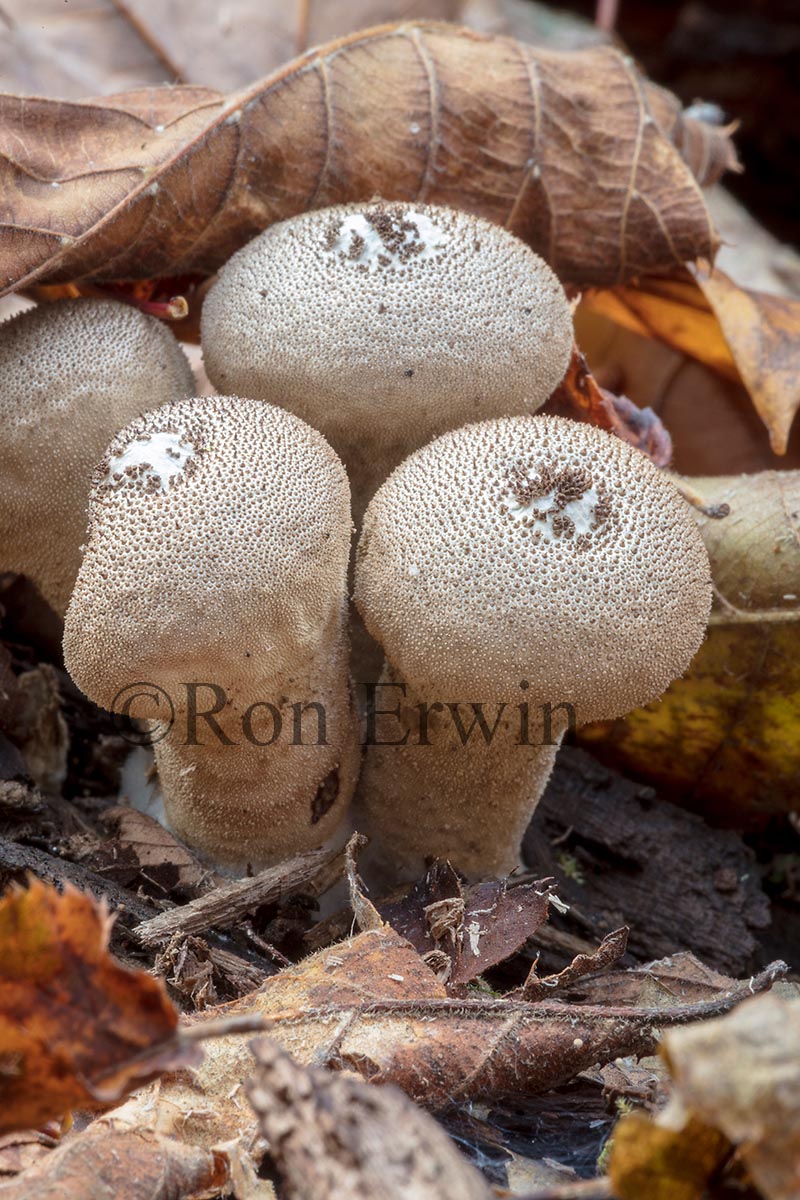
(168, 181)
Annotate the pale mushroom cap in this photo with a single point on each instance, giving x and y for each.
(534, 549)
(384, 324)
(71, 374)
(218, 543)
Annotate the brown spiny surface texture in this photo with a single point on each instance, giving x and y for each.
(218, 547)
(71, 374)
(385, 324)
(517, 563)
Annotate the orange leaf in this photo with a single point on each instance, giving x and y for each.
(745, 336)
(763, 334)
(76, 1028)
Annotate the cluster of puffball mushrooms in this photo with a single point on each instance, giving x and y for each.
(381, 363)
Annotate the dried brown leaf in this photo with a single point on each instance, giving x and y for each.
(609, 951)
(464, 929)
(371, 1006)
(51, 48)
(77, 1030)
(142, 847)
(579, 396)
(127, 1166)
(763, 335)
(225, 47)
(104, 46)
(679, 979)
(441, 1052)
(574, 152)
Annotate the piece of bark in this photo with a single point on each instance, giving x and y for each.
(17, 861)
(337, 1138)
(226, 904)
(677, 883)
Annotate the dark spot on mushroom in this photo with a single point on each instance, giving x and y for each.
(263, 292)
(527, 311)
(381, 308)
(408, 373)
(357, 244)
(326, 795)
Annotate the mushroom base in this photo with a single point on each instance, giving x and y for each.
(468, 803)
(248, 806)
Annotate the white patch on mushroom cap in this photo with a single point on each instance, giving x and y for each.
(153, 463)
(582, 512)
(360, 244)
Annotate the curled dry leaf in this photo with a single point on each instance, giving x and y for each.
(728, 732)
(136, 1166)
(736, 1083)
(77, 1030)
(744, 336)
(338, 1138)
(678, 979)
(169, 181)
(611, 949)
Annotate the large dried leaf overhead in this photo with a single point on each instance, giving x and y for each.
(575, 152)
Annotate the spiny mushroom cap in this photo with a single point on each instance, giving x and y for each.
(534, 549)
(412, 317)
(218, 547)
(71, 374)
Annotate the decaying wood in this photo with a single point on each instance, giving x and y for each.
(16, 861)
(227, 903)
(170, 181)
(630, 857)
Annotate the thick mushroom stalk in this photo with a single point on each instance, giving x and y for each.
(213, 591)
(532, 570)
(71, 375)
(385, 324)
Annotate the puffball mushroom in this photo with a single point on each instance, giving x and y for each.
(515, 564)
(384, 324)
(215, 571)
(71, 374)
